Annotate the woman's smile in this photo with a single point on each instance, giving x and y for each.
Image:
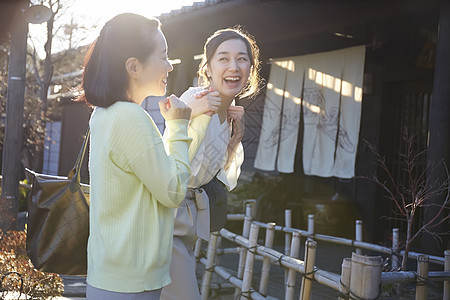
(230, 68)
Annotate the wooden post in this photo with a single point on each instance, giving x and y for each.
(395, 250)
(295, 251)
(422, 274)
(248, 271)
(13, 141)
(210, 256)
(365, 276)
(447, 268)
(346, 270)
(358, 235)
(287, 240)
(310, 260)
(243, 253)
(263, 284)
(439, 127)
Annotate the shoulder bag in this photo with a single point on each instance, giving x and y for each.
(58, 221)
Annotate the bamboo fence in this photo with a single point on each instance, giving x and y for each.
(361, 276)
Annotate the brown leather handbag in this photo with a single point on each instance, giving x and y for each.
(58, 221)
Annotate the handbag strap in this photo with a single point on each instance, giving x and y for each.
(75, 172)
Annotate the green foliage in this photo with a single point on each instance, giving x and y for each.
(24, 190)
(13, 258)
(255, 189)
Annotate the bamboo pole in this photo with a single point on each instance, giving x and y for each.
(345, 277)
(248, 271)
(322, 277)
(254, 207)
(310, 224)
(210, 255)
(422, 277)
(295, 251)
(249, 210)
(243, 252)
(353, 243)
(310, 260)
(287, 240)
(225, 251)
(197, 248)
(398, 277)
(235, 217)
(358, 235)
(365, 278)
(216, 262)
(220, 286)
(326, 278)
(263, 284)
(222, 272)
(432, 259)
(447, 268)
(395, 259)
(395, 250)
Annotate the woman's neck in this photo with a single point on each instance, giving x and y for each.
(134, 95)
(223, 108)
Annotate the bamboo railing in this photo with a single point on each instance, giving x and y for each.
(360, 278)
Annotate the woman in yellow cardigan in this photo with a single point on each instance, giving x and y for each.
(135, 182)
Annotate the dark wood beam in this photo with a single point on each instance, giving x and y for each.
(13, 143)
(273, 22)
(439, 130)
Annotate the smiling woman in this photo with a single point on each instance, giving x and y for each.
(229, 70)
(134, 182)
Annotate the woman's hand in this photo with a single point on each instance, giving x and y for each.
(173, 108)
(206, 102)
(235, 116)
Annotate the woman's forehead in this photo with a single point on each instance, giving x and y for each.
(232, 46)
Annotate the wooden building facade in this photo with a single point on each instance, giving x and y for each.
(403, 45)
(406, 85)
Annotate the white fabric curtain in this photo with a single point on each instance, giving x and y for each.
(329, 86)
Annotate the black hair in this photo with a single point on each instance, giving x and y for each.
(105, 78)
